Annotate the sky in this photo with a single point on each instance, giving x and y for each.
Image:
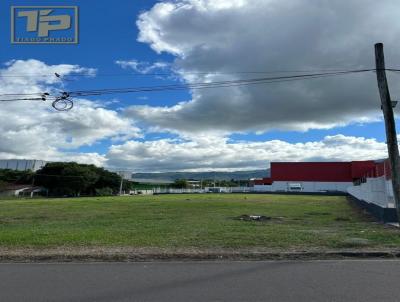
(151, 43)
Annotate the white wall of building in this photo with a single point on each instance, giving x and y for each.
(377, 190)
(14, 192)
(307, 186)
(22, 164)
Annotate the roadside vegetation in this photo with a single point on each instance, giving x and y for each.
(66, 179)
(75, 179)
(61, 179)
(192, 221)
(8, 176)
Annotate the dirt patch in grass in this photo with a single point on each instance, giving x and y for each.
(317, 213)
(342, 219)
(258, 218)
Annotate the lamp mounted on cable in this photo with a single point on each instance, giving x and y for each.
(63, 102)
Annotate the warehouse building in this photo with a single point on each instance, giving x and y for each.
(313, 176)
(367, 182)
(22, 164)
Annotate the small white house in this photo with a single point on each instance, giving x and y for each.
(21, 190)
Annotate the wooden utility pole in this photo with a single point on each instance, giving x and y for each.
(390, 125)
(120, 185)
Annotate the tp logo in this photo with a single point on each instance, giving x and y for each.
(44, 24)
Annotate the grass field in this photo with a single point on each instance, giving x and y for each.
(203, 221)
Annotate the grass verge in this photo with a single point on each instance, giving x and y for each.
(198, 221)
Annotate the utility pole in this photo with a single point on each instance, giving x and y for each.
(120, 185)
(390, 126)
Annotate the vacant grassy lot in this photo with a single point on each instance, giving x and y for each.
(204, 221)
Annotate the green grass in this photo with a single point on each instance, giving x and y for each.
(204, 221)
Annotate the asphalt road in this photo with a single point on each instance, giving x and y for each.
(203, 281)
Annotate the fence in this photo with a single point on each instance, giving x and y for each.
(374, 190)
(376, 196)
(188, 191)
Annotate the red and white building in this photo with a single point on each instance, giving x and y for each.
(369, 182)
(375, 186)
(313, 176)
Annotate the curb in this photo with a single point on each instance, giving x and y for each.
(142, 257)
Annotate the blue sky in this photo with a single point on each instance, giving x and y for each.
(108, 33)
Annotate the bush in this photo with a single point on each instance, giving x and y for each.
(104, 191)
(75, 179)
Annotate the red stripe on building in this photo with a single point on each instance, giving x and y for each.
(320, 171)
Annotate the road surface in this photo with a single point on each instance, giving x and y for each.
(296, 281)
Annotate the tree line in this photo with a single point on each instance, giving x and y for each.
(73, 179)
(68, 179)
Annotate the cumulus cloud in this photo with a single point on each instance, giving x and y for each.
(142, 67)
(34, 76)
(212, 40)
(212, 153)
(34, 130)
(30, 129)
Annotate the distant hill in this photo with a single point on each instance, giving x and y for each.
(171, 176)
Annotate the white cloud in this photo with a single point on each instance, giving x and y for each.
(32, 129)
(213, 153)
(142, 67)
(223, 37)
(32, 76)
(212, 40)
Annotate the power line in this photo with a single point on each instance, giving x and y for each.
(180, 72)
(64, 98)
(217, 84)
(395, 71)
(173, 72)
(189, 85)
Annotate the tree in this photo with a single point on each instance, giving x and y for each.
(74, 179)
(106, 179)
(3, 185)
(16, 177)
(180, 184)
(110, 180)
(66, 178)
